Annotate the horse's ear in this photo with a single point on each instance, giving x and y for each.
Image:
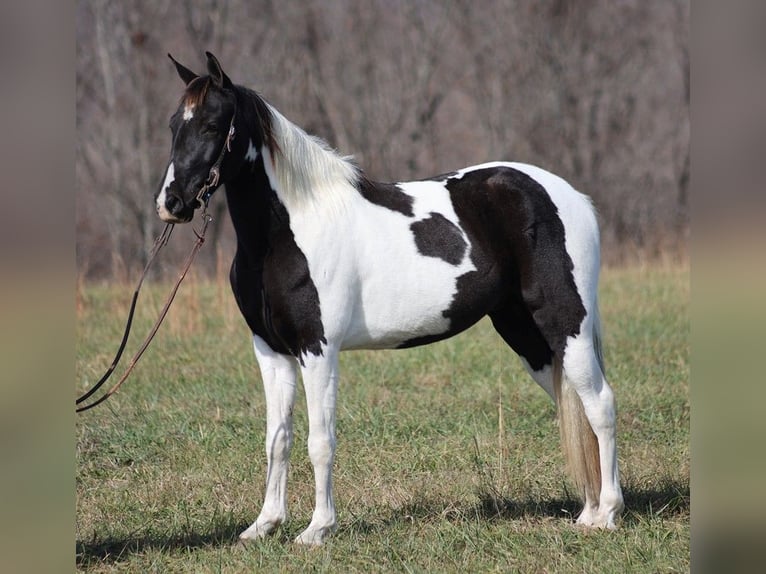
(186, 74)
(216, 72)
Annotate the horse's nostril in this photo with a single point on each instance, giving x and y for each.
(173, 204)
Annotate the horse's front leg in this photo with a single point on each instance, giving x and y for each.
(320, 380)
(279, 374)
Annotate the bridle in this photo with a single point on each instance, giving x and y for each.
(203, 198)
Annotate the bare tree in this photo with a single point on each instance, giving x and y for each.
(595, 90)
(118, 137)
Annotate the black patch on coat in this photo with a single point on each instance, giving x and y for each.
(437, 236)
(523, 278)
(387, 195)
(270, 276)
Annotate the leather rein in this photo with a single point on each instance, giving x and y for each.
(203, 198)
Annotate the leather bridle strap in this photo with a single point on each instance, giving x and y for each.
(206, 219)
(203, 197)
(160, 242)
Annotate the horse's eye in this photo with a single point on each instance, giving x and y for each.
(211, 127)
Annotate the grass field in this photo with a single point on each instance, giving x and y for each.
(448, 455)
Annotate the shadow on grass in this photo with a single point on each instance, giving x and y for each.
(667, 500)
(111, 550)
(664, 500)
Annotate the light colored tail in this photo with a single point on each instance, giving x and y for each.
(578, 441)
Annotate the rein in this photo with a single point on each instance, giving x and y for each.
(161, 240)
(203, 198)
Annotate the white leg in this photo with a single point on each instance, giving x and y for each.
(279, 374)
(544, 378)
(582, 370)
(320, 380)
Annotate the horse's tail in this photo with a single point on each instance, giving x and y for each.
(578, 441)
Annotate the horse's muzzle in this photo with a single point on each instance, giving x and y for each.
(172, 208)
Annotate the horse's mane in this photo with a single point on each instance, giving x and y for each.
(304, 167)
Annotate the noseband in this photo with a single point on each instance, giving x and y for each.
(203, 197)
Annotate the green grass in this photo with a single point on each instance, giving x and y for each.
(448, 455)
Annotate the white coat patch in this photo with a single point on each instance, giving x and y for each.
(252, 153)
(188, 112)
(392, 292)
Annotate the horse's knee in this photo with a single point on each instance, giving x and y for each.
(321, 447)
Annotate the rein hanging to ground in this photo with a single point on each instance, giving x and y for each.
(203, 198)
(161, 240)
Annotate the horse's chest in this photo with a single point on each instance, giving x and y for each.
(279, 299)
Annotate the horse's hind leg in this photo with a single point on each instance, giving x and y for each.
(585, 406)
(279, 374)
(582, 381)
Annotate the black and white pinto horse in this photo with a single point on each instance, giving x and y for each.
(329, 260)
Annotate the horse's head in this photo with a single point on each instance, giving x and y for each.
(202, 128)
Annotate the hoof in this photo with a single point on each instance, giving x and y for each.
(258, 530)
(315, 536)
(596, 520)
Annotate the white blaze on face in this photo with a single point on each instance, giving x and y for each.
(162, 211)
(188, 112)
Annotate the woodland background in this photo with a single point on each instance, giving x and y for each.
(596, 91)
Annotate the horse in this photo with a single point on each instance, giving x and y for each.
(328, 260)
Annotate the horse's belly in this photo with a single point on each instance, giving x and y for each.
(430, 301)
(389, 324)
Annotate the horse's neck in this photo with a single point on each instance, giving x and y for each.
(293, 173)
(255, 211)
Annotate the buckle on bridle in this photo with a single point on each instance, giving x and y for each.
(206, 191)
(213, 176)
